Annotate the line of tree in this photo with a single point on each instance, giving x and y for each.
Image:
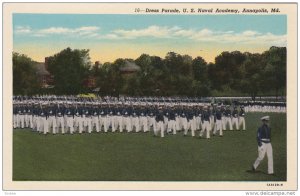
(25, 79)
(233, 74)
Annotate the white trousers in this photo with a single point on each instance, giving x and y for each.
(235, 123)
(218, 127)
(106, 122)
(144, 123)
(184, 123)
(111, 122)
(70, 124)
(114, 123)
(242, 123)
(34, 123)
(160, 128)
(128, 123)
(205, 127)
(223, 122)
(119, 123)
(21, 121)
(136, 124)
(52, 123)
(177, 122)
(262, 150)
(228, 121)
(172, 126)
(198, 123)
(151, 122)
(95, 123)
(101, 122)
(212, 120)
(87, 124)
(78, 123)
(28, 121)
(44, 125)
(166, 123)
(15, 121)
(61, 123)
(191, 124)
(38, 124)
(65, 121)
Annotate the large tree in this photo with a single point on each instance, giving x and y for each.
(251, 81)
(227, 68)
(275, 70)
(69, 68)
(25, 81)
(201, 85)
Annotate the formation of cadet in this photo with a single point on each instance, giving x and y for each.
(127, 115)
(277, 107)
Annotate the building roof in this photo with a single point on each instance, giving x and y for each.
(129, 67)
(41, 69)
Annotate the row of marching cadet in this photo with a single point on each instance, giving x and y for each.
(52, 118)
(85, 117)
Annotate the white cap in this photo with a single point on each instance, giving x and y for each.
(265, 118)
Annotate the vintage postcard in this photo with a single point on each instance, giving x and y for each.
(150, 96)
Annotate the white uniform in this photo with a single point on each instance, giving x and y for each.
(242, 120)
(128, 123)
(135, 122)
(198, 122)
(172, 123)
(87, 121)
(78, 122)
(151, 121)
(218, 124)
(264, 146)
(95, 121)
(177, 122)
(28, 118)
(70, 121)
(43, 122)
(20, 119)
(160, 128)
(102, 119)
(144, 122)
(183, 122)
(119, 121)
(52, 123)
(60, 123)
(191, 124)
(235, 121)
(206, 126)
(228, 119)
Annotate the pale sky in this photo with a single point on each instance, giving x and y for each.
(115, 36)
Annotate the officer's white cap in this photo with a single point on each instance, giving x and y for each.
(265, 118)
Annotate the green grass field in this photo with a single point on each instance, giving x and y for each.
(142, 157)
